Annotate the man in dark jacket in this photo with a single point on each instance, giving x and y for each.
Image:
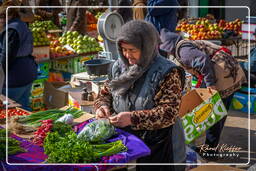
(162, 17)
(22, 69)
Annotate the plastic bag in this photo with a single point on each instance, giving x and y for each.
(97, 131)
(67, 119)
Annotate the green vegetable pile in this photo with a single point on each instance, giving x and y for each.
(13, 145)
(97, 131)
(61, 128)
(53, 114)
(70, 149)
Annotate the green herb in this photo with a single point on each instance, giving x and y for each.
(71, 149)
(61, 128)
(13, 145)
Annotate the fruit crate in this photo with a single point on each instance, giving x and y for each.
(38, 88)
(76, 65)
(41, 52)
(43, 70)
(13, 112)
(60, 65)
(37, 103)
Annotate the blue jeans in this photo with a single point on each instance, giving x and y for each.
(213, 134)
(20, 95)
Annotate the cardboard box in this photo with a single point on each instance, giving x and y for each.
(241, 101)
(54, 97)
(216, 168)
(199, 110)
(41, 52)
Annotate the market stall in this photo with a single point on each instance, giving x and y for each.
(121, 147)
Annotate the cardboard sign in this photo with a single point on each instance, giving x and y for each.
(199, 110)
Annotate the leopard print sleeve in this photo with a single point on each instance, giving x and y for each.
(104, 98)
(167, 102)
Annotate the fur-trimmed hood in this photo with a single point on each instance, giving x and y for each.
(145, 37)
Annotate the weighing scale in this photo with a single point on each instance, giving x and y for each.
(109, 26)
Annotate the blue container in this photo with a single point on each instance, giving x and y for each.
(240, 102)
(43, 70)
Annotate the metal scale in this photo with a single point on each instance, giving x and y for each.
(109, 26)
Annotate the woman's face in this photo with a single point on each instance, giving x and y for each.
(131, 53)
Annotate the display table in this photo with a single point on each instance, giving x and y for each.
(35, 155)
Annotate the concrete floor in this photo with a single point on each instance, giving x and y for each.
(235, 133)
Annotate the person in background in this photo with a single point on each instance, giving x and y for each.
(76, 19)
(162, 17)
(48, 13)
(143, 94)
(21, 66)
(139, 13)
(182, 12)
(126, 13)
(200, 58)
(26, 14)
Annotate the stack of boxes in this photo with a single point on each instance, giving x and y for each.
(36, 98)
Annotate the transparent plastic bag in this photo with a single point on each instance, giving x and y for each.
(67, 119)
(97, 131)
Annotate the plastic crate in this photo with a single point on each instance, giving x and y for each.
(241, 101)
(37, 103)
(76, 65)
(38, 88)
(43, 70)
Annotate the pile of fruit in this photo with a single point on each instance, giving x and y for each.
(204, 28)
(56, 48)
(40, 37)
(39, 29)
(13, 112)
(98, 15)
(81, 44)
(44, 25)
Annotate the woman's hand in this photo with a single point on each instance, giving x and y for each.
(103, 112)
(123, 119)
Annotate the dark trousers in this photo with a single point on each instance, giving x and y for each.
(213, 134)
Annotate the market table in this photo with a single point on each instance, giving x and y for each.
(35, 155)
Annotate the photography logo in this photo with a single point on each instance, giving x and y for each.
(220, 151)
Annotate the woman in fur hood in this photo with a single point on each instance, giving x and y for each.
(143, 94)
